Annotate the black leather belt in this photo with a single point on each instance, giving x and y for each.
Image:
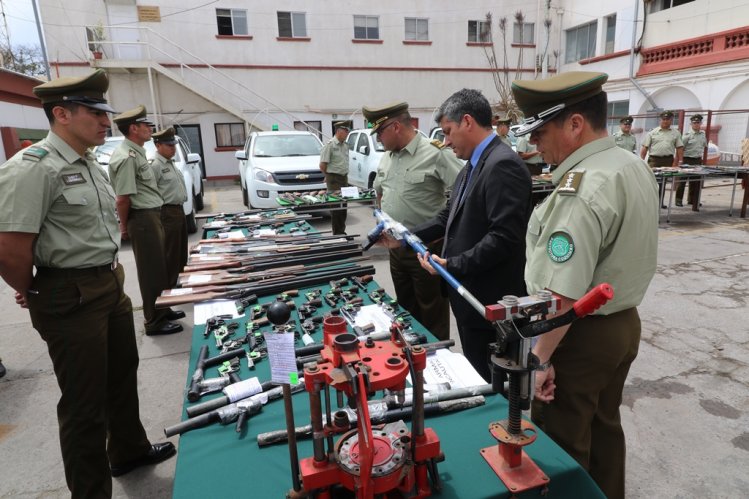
(88, 270)
(662, 157)
(145, 209)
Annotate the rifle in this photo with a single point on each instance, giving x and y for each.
(277, 285)
(376, 417)
(215, 278)
(239, 265)
(239, 260)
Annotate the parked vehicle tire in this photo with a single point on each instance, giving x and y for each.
(192, 225)
(245, 197)
(198, 200)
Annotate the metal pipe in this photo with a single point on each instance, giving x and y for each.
(315, 409)
(41, 39)
(632, 58)
(290, 429)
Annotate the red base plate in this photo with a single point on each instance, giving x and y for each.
(527, 476)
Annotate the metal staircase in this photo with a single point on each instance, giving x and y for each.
(141, 49)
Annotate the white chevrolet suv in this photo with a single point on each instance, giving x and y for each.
(275, 162)
(364, 155)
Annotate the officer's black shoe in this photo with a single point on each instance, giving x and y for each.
(156, 454)
(2, 370)
(174, 315)
(663, 206)
(679, 203)
(166, 328)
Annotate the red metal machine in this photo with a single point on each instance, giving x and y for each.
(385, 460)
(517, 321)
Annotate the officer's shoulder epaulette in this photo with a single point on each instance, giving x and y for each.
(570, 183)
(131, 153)
(438, 143)
(34, 153)
(150, 161)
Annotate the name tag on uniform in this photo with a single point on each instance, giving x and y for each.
(165, 170)
(73, 179)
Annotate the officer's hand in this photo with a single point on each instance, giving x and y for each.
(123, 233)
(545, 385)
(388, 241)
(21, 300)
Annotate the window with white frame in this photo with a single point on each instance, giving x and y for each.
(292, 25)
(231, 22)
(522, 33)
(479, 31)
(658, 5)
(366, 28)
(417, 29)
(608, 47)
(581, 42)
(229, 134)
(615, 111)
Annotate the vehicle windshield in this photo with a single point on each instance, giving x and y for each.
(281, 146)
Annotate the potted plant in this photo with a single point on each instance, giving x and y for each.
(97, 36)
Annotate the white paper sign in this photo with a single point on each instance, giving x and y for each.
(264, 232)
(177, 292)
(282, 357)
(445, 366)
(235, 234)
(350, 192)
(198, 278)
(207, 309)
(373, 314)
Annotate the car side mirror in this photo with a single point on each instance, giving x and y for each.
(193, 158)
(240, 155)
(364, 150)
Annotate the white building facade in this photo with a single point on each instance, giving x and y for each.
(218, 70)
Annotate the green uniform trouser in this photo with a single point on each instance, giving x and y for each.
(147, 236)
(419, 292)
(334, 182)
(86, 320)
(175, 241)
(657, 162)
(694, 185)
(591, 364)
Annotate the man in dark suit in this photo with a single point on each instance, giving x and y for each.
(485, 221)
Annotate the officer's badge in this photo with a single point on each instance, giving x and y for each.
(560, 247)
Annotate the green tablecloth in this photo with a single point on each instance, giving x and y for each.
(217, 462)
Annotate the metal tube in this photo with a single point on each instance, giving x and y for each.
(329, 419)
(315, 409)
(290, 429)
(417, 421)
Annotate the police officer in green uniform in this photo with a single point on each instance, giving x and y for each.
(503, 123)
(57, 214)
(624, 137)
(139, 207)
(599, 225)
(663, 147)
(411, 182)
(533, 159)
(334, 164)
(695, 143)
(172, 188)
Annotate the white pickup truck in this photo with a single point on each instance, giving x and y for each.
(364, 154)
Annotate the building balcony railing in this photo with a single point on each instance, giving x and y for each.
(716, 48)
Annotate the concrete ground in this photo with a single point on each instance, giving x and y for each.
(685, 410)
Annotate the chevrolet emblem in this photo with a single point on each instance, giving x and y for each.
(302, 176)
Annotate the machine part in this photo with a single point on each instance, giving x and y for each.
(389, 450)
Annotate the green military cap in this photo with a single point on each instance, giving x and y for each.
(378, 116)
(503, 119)
(84, 90)
(666, 115)
(165, 136)
(135, 115)
(696, 118)
(542, 100)
(627, 120)
(341, 124)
